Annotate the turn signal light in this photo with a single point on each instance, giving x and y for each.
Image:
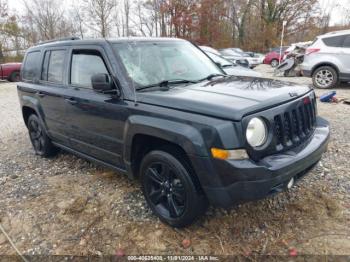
(223, 154)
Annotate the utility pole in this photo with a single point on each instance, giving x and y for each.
(282, 36)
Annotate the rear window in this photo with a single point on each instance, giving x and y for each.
(335, 41)
(31, 65)
(52, 70)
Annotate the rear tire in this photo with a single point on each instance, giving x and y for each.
(41, 142)
(170, 190)
(325, 77)
(274, 63)
(14, 77)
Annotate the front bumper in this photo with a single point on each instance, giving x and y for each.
(256, 180)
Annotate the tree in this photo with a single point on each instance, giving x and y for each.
(101, 14)
(47, 17)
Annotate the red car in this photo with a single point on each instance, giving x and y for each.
(273, 57)
(10, 71)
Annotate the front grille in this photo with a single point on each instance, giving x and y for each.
(295, 125)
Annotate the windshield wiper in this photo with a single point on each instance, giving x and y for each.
(227, 65)
(210, 77)
(165, 83)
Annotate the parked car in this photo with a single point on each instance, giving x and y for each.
(10, 71)
(160, 110)
(235, 52)
(253, 59)
(234, 57)
(273, 57)
(327, 59)
(209, 49)
(231, 68)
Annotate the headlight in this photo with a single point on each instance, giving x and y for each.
(256, 133)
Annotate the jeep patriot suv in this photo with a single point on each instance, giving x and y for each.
(160, 110)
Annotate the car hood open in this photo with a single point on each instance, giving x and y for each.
(229, 98)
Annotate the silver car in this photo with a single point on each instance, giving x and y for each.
(231, 68)
(327, 59)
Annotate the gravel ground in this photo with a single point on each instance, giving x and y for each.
(69, 206)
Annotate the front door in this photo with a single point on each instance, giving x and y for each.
(95, 120)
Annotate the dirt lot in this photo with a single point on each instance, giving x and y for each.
(68, 206)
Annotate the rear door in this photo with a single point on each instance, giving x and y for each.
(346, 58)
(51, 90)
(95, 120)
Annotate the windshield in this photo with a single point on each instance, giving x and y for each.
(218, 59)
(148, 63)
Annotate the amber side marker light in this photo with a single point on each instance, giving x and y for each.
(223, 154)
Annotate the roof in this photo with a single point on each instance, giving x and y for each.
(335, 33)
(78, 41)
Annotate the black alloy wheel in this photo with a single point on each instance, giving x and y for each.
(40, 141)
(170, 190)
(165, 190)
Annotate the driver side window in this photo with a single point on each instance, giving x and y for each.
(84, 65)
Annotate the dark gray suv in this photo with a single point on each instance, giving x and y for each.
(161, 110)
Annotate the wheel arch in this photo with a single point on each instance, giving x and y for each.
(315, 67)
(26, 112)
(143, 134)
(9, 78)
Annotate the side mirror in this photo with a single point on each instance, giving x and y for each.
(101, 82)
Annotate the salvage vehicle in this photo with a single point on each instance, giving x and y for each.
(10, 71)
(327, 59)
(160, 110)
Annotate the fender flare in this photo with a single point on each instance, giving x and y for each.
(34, 104)
(184, 135)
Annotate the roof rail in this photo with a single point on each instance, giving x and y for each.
(58, 40)
(338, 32)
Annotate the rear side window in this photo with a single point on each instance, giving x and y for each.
(53, 66)
(335, 41)
(84, 65)
(347, 41)
(31, 65)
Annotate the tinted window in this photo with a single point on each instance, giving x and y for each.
(84, 66)
(31, 65)
(346, 41)
(335, 41)
(55, 67)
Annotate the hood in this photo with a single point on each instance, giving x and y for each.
(241, 71)
(10, 64)
(229, 98)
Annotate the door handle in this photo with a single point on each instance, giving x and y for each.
(40, 94)
(71, 100)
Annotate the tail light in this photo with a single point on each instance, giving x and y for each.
(311, 50)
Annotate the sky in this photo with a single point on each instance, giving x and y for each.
(336, 6)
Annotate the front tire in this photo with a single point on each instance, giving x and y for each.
(325, 77)
(170, 190)
(41, 142)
